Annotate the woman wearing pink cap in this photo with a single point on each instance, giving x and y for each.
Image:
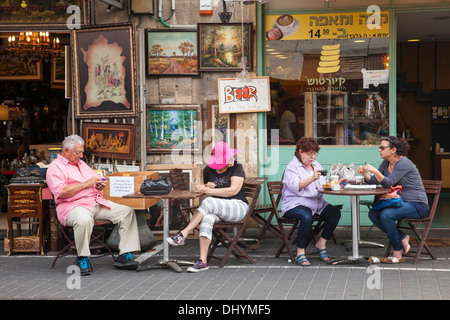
(224, 182)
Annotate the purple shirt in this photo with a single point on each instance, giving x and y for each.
(309, 196)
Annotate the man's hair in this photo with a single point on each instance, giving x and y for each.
(70, 141)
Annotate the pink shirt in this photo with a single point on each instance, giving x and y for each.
(62, 172)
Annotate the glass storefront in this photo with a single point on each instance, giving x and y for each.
(328, 80)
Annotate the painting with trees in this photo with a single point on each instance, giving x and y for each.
(171, 52)
(222, 46)
(173, 127)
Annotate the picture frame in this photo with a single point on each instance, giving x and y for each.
(220, 44)
(58, 68)
(171, 52)
(222, 125)
(173, 128)
(46, 14)
(68, 74)
(110, 139)
(105, 74)
(15, 68)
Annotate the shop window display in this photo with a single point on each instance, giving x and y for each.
(333, 89)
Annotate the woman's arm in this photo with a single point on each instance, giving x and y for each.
(232, 190)
(307, 181)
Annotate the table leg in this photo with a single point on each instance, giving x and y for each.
(355, 227)
(165, 262)
(166, 204)
(354, 258)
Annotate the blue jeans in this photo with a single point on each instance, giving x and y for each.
(330, 216)
(386, 221)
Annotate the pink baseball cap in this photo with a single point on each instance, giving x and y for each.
(221, 155)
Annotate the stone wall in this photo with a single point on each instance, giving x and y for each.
(188, 90)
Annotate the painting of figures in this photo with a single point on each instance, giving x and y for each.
(173, 127)
(105, 72)
(171, 52)
(222, 46)
(110, 140)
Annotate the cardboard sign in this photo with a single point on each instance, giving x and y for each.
(120, 186)
(237, 95)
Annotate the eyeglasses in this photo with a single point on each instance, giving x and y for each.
(383, 147)
(80, 153)
(312, 154)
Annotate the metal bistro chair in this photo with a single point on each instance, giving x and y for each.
(96, 242)
(231, 242)
(433, 191)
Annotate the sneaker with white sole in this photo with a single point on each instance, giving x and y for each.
(198, 267)
(176, 240)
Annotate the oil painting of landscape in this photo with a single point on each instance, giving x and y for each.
(171, 52)
(221, 46)
(173, 127)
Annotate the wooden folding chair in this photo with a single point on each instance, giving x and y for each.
(433, 190)
(231, 242)
(275, 188)
(183, 206)
(97, 240)
(259, 216)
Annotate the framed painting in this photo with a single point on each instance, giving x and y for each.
(16, 68)
(221, 125)
(58, 74)
(105, 73)
(68, 73)
(173, 128)
(43, 14)
(106, 139)
(221, 46)
(171, 52)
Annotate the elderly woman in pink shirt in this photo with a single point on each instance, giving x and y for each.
(301, 200)
(77, 191)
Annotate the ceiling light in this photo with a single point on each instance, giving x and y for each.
(359, 40)
(270, 49)
(413, 40)
(274, 53)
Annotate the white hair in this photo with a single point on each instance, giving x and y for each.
(70, 141)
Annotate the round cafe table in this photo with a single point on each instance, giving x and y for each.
(354, 192)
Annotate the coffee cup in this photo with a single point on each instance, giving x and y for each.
(285, 23)
(359, 179)
(335, 187)
(334, 178)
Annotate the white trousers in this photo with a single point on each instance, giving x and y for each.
(82, 221)
(217, 209)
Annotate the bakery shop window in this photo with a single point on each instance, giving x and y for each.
(327, 82)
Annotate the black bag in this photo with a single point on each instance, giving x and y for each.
(158, 187)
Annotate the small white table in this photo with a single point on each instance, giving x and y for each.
(174, 194)
(354, 196)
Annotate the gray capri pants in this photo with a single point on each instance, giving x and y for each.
(218, 209)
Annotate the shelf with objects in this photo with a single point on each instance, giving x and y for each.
(343, 118)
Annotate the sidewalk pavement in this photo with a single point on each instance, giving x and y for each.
(28, 276)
